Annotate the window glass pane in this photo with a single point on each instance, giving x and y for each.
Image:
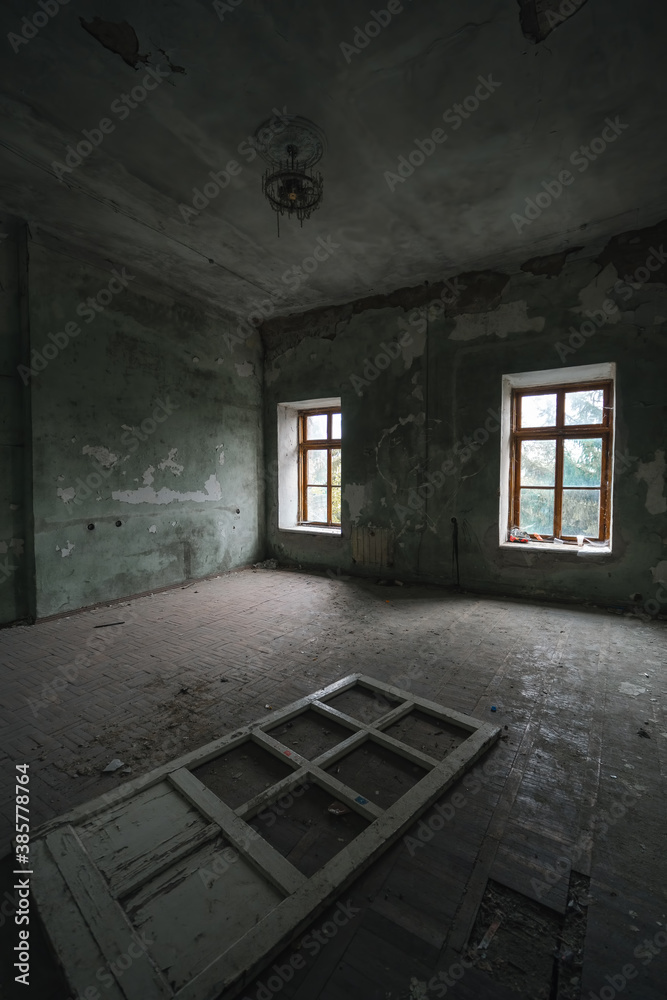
(335, 466)
(335, 504)
(538, 411)
(316, 471)
(336, 426)
(316, 427)
(316, 499)
(584, 407)
(581, 513)
(538, 463)
(582, 462)
(537, 511)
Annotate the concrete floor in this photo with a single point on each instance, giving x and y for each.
(572, 784)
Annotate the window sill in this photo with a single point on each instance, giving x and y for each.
(313, 529)
(583, 550)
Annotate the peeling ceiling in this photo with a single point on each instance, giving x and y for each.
(415, 189)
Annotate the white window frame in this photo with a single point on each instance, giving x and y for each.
(288, 464)
(604, 371)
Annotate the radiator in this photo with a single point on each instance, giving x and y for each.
(372, 546)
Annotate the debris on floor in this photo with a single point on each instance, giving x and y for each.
(338, 809)
(519, 954)
(267, 564)
(113, 765)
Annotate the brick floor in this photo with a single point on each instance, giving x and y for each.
(191, 664)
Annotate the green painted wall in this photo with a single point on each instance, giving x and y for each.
(413, 413)
(143, 418)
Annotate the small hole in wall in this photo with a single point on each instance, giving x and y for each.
(118, 524)
(91, 527)
(637, 597)
(238, 510)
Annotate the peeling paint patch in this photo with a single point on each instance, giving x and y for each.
(102, 455)
(169, 463)
(221, 456)
(653, 474)
(414, 348)
(540, 17)
(659, 572)
(148, 476)
(596, 292)
(65, 551)
(116, 36)
(67, 494)
(146, 494)
(510, 317)
(245, 369)
(417, 392)
(632, 689)
(550, 266)
(354, 494)
(629, 251)
(153, 529)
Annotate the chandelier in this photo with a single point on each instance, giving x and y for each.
(292, 148)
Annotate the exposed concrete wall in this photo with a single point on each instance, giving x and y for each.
(405, 424)
(142, 417)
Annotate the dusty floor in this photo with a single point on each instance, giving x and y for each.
(572, 787)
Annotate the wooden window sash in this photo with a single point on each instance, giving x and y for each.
(560, 432)
(327, 444)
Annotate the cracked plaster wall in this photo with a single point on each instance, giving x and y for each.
(415, 414)
(129, 423)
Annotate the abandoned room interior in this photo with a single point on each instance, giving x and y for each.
(333, 514)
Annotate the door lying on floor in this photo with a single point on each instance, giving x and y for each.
(186, 882)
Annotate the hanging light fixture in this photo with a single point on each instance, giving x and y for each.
(292, 148)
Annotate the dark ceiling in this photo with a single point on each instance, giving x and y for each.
(219, 71)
